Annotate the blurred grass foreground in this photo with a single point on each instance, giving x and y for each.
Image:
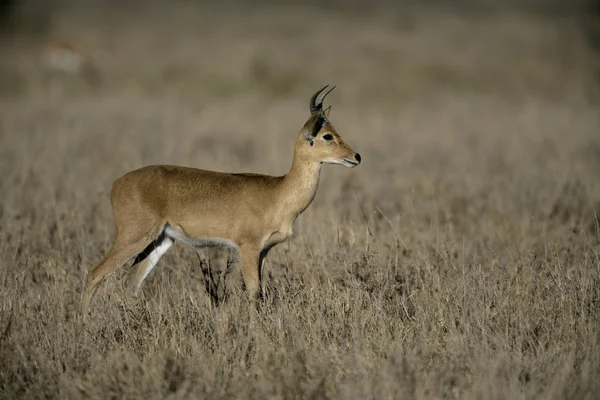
(460, 260)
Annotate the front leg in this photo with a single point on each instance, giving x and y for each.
(249, 257)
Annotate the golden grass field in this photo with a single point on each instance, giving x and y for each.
(460, 260)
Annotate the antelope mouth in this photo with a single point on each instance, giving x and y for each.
(349, 163)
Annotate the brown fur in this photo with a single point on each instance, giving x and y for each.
(254, 211)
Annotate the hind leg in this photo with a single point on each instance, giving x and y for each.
(122, 251)
(159, 248)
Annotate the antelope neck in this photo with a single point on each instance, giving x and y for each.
(299, 186)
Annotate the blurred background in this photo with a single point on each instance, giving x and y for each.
(459, 259)
(401, 50)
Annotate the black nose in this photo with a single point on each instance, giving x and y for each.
(357, 156)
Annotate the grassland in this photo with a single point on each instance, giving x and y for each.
(459, 261)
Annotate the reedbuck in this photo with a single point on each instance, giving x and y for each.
(157, 205)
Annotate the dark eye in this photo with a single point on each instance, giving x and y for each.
(328, 137)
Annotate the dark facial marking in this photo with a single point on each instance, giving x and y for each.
(318, 125)
(313, 126)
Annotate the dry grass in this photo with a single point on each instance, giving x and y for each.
(479, 186)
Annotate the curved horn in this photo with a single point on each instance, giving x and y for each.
(325, 95)
(314, 107)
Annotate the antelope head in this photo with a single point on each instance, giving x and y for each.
(319, 140)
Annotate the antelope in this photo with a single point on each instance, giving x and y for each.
(157, 205)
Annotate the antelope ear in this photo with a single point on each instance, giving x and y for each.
(326, 112)
(313, 126)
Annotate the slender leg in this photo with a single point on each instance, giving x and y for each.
(147, 264)
(119, 254)
(261, 262)
(250, 257)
